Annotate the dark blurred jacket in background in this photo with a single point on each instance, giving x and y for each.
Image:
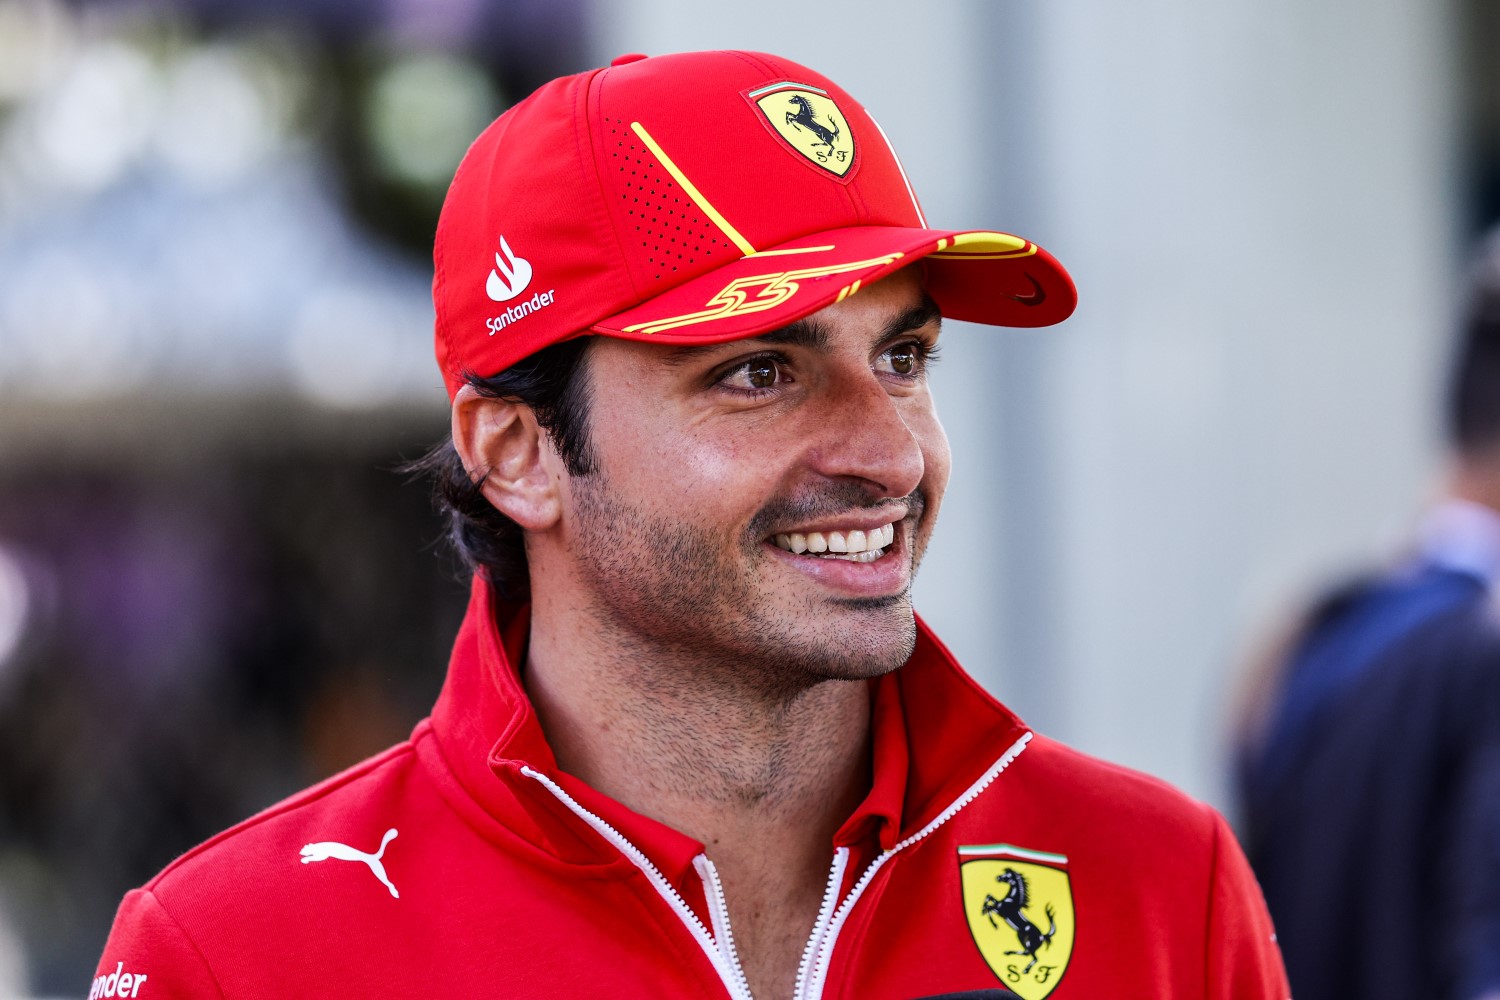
(1370, 775)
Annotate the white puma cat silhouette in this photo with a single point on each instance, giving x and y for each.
(343, 852)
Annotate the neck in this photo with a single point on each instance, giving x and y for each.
(763, 773)
(1476, 477)
(698, 744)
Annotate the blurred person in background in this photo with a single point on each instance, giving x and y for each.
(1370, 767)
(226, 595)
(694, 740)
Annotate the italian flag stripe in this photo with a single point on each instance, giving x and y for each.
(1011, 850)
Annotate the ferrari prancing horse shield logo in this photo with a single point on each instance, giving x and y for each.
(1020, 910)
(810, 122)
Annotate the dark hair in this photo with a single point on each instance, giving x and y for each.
(1474, 384)
(553, 383)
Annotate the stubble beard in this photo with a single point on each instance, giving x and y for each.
(672, 589)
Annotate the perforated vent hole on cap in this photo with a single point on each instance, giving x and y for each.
(671, 229)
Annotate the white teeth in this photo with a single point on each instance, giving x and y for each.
(866, 545)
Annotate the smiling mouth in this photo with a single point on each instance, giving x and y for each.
(849, 546)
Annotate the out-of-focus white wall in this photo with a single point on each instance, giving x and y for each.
(1256, 199)
(1256, 202)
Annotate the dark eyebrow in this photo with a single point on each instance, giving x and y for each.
(804, 332)
(918, 316)
(810, 334)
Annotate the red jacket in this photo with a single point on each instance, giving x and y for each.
(464, 863)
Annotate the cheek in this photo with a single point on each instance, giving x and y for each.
(728, 476)
(659, 460)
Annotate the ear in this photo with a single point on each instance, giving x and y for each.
(501, 442)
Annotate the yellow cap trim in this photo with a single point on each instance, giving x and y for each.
(757, 293)
(847, 291)
(985, 246)
(713, 213)
(781, 253)
(960, 255)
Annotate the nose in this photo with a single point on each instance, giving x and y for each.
(866, 435)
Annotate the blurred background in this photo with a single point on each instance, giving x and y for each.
(215, 220)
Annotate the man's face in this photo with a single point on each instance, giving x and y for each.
(731, 476)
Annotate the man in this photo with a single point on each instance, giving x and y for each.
(1371, 774)
(693, 741)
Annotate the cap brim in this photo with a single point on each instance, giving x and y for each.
(978, 276)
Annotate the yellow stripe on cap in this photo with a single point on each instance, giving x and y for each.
(783, 253)
(847, 291)
(769, 291)
(985, 246)
(713, 213)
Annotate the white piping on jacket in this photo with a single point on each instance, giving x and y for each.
(813, 988)
(718, 946)
(729, 973)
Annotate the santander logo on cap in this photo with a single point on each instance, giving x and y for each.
(511, 274)
(510, 279)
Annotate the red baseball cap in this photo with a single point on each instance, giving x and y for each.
(696, 198)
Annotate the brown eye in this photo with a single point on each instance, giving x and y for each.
(904, 360)
(761, 373)
(757, 375)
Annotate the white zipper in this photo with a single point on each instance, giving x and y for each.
(812, 989)
(722, 959)
(718, 912)
(718, 946)
(825, 917)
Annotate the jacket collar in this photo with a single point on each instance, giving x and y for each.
(1464, 537)
(934, 732)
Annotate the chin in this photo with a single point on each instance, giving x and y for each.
(857, 652)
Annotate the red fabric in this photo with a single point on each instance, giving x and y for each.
(505, 892)
(605, 237)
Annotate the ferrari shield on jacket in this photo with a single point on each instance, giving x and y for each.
(986, 861)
